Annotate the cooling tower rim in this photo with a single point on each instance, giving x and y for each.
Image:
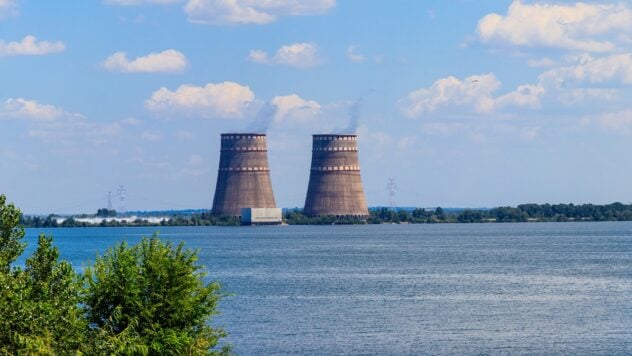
(336, 135)
(244, 134)
(327, 137)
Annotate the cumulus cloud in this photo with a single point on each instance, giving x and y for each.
(611, 69)
(169, 61)
(54, 125)
(475, 92)
(353, 55)
(8, 8)
(20, 108)
(299, 55)
(578, 26)
(223, 100)
(586, 77)
(30, 46)
(219, 12)
(526, 95)
(258, 56)
(293, 107)
(140, 2)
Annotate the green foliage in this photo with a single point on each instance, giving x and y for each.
(40, 306)
(148, 299)
(154, 294)
(296, 217)
(417, 216)
(200, 219)
(105, 213)
(10, 235)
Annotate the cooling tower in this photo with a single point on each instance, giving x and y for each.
(335, 185)
(243, 178)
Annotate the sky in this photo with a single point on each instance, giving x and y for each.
(463, 103)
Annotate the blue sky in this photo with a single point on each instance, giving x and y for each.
(463, 103)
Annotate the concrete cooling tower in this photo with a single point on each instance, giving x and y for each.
(243, 178)
(335, 185)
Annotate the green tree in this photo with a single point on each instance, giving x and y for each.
(151, 299)
(11, 234)
(39, 305)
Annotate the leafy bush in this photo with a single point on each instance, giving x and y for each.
(154, 294)
(148, 299)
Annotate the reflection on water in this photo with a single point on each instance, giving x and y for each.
(409, 289)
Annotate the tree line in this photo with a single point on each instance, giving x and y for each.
(521, 213)
(198, 219)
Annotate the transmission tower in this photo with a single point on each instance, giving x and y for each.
(109, 200)
(391, 188)
(122, 194)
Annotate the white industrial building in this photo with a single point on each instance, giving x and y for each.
(261, 216)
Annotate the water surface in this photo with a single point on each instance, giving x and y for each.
(408, 289)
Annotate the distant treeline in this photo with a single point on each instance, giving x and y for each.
(521, 213)
(202, 219)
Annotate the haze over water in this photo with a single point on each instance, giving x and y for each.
(408, 289)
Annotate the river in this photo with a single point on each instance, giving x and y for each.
(407, 289)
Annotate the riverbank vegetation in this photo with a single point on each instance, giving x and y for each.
(197, 219)
(147, 299)
(521, 213)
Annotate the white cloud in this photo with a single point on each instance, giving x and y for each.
(222, 100)
(293, 107)
(475, 91)
(579, 26)
(258, 56)
(30, 46)
(612, 69)
(56, 126)
(299, 55)
(526, 95)
(169, 61)
(140, 2)
(353, 56)
(218, 12)
(8, 8)
(30, 110)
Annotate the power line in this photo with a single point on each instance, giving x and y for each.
(122, 195)
(391, 187)
(110, 200)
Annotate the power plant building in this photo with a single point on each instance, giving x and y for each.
(335, 184)
(261, 216)
(243, 177)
